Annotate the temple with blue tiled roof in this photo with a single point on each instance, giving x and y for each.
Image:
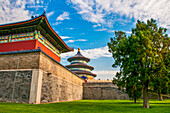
(79, 66)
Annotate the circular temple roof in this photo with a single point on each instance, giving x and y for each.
(78, 56)
(84, 72)
(80, 65)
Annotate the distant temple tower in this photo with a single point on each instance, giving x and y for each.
(79, 66)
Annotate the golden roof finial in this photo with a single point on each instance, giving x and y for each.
(79, 49)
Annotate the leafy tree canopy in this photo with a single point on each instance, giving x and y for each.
(143, 58)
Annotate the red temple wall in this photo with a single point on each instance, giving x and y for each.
(27, 45)
(16, 46)
(47, 51)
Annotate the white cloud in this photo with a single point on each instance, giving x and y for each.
(57, 23)
(36, 6)
(42, 2)
(97, 52)
(97, 25)
(14, 11)
(90, 53)
(38, 1)
(128, 32)
(80, 40)
(60, 18)
(64, 16)
(71, 41)
(104, 75)
(102, 11)
(112, 31)
(65, 37)
(102, 29)
(70, 28)
(31, 1)
(105, 72)
(50, 13)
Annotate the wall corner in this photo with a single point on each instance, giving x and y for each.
(36, 85)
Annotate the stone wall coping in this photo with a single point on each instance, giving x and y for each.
(37, 50)
(94, 80)
(17, 70)
(102, 86)
(98, 83)
(23, 51)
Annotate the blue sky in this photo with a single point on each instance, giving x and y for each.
(89, 24)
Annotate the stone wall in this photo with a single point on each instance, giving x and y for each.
(58, 83)
(19, 61)
(18, 67)
(38, 78)
(15, 86)
(102, 90)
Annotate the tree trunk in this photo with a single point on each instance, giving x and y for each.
(160, 98)
(135, 100)
(145, 97)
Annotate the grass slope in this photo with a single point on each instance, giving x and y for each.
(88, 106)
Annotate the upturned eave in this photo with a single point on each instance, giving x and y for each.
(35, 24)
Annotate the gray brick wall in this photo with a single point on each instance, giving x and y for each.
(15, 86)
(59, 84)
(55, 89)
(102, 90)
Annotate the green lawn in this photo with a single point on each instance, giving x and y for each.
(88, 106)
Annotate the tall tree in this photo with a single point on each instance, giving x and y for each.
(128, 76)
(160, 45)
(139, 57)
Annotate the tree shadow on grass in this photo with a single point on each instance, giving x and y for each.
(160, 103)
(128, 103)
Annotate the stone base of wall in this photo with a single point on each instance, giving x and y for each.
(103, 91)
(55, 89)
(15, 86)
